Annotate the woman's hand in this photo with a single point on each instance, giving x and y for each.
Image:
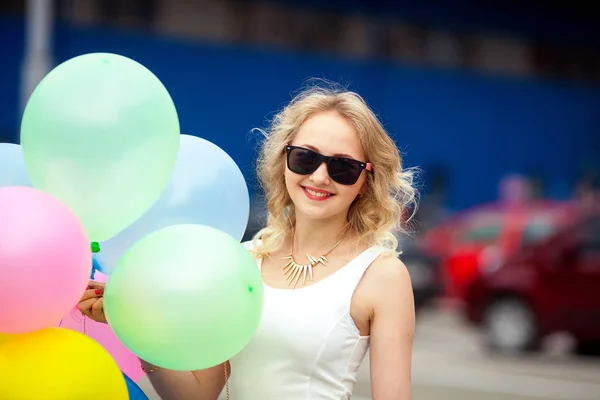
(91, 303)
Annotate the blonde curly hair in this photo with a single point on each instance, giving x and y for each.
(389, 196)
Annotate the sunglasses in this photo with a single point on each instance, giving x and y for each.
(342, 170)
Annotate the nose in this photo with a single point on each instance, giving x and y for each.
(321, 176)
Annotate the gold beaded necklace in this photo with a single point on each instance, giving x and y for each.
(293, 270)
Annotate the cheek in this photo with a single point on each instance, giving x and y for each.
(349, 193)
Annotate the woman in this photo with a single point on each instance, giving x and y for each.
(334, 285)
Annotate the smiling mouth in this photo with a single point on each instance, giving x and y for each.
(316, 194)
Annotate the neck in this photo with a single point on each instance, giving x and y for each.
(317, 236)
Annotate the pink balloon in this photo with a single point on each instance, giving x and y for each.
(45, 260)
(101, 333)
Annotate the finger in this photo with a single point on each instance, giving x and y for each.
(85, 307)
(91, 294)
(96, 285)
(98, 310)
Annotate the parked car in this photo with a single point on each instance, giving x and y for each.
(487, 234)
(547, 287)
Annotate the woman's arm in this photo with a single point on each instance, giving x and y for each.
(205, 384)
(392, 329)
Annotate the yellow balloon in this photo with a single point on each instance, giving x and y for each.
(58, 364)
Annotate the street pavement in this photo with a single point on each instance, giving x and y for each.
(449, 364)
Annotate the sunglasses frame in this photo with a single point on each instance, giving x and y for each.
(327, 159)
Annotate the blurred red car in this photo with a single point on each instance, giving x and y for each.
(486, 235)
(546, 287)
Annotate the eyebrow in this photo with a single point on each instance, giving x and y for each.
(308, 146)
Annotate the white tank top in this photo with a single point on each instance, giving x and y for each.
(307, 346)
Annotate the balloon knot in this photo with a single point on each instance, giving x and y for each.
(95, 247)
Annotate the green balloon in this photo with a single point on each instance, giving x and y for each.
(100, 133)
(185, 297)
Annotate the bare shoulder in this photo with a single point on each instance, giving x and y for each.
(388, 272)
(385, 284)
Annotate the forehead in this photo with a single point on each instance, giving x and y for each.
(331, 134)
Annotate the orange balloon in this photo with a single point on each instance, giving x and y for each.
(4, 337)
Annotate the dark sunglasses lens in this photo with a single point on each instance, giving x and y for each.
(345, 172)
(302, 161)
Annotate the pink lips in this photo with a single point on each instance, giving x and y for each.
(315, 190)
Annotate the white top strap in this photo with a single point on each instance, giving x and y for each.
(363, 262)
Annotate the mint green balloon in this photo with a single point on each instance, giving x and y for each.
(185, 297)
(100, 132)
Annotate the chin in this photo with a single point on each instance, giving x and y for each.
(315, 215)
(317, 211)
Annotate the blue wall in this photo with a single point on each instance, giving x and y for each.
(479, 127)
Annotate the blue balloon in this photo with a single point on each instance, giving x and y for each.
(135, 393)
(206, 188)
(12, 166)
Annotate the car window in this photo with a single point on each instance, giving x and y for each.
(536, 232)
(484, 233)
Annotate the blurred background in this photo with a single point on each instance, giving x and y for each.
(498, 103)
